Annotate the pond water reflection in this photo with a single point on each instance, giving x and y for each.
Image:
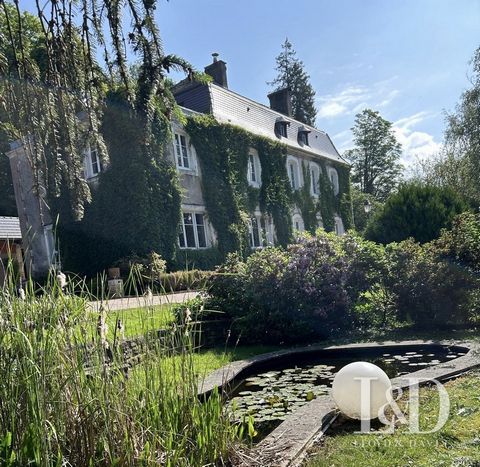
(270, 395)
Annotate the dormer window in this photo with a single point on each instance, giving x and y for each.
(281, 125)
(303, 136)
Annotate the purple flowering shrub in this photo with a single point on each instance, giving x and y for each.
(326, 285)
(286, 296)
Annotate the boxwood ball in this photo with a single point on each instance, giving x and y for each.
(347, 390)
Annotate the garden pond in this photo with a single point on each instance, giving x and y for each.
(282, 385)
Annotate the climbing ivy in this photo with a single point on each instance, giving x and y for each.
(344, 199)
(308, 206)
(223, 151)
(276, 197)
(223, 155)
(328, 200)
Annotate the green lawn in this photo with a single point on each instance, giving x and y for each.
(456, 444)
(203, 361)
(138, 321)
(207, 361)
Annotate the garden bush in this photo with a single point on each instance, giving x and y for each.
(326, 285)
(462, 242)
(428, 291)
(296, 294)
(417, 211)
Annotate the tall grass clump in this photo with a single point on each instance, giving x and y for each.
(67, 396)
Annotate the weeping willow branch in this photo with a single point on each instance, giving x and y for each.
(54, 91)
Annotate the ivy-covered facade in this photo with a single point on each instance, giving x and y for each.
(244, 176)
(254, 175)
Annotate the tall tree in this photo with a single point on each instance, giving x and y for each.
(55, 95)
(463, 133)
(292, 75)
(447, 169)
(375, 159)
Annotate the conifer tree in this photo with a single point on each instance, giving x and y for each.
(292, 75)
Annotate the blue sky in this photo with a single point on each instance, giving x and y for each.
(406, 58)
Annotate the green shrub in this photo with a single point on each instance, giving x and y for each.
(326, 285)
(462, 242)
(285, 296)
(415, 211)
(429, 292)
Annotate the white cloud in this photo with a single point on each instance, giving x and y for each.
(355, 97)
(415, 144)
(341, 103)
(343, 141)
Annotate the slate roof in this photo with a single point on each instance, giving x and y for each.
(10, 228)
(229, 107)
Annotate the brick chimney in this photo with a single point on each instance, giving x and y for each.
(218, 71)
(281, 101)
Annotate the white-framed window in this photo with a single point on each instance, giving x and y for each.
(182, 151)
(260, 231)
(255, 232)
(293, 172)
(254, 174)
(333, 176)
(92, 164)
(314, 179)
(297, 222)
(193, 232)
(339, 229)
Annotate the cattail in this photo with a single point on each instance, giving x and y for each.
(61, 280)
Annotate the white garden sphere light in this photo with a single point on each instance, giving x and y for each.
(361, 383)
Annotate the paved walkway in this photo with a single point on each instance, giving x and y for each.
(138, 302)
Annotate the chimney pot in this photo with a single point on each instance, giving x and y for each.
(281, 101)
(218, 71)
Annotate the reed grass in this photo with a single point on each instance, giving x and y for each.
(66, 398)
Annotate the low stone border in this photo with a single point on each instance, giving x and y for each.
(288, 443)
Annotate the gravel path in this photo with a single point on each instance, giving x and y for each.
(138, 302)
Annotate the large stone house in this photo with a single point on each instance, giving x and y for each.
(308, 148)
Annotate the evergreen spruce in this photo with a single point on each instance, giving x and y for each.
(292, 75)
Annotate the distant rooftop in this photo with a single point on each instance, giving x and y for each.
(10, 228)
